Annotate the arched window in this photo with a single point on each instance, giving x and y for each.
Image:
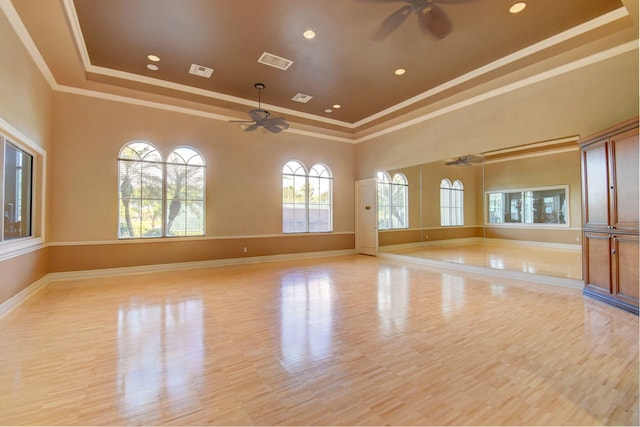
(140, 171)
(184, 201)
(451, 203)
(306, 198)
(393, 201)
(320, 199)
(157, 198)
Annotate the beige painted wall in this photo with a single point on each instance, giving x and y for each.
(580, 102)
(25, 96)
(25, 104)
(244, 170)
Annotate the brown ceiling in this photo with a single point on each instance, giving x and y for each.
(342, 65)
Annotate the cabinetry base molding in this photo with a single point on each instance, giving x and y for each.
(611, 301)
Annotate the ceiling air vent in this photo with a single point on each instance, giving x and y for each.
(274, 61)
(200, 70)
(301, 97)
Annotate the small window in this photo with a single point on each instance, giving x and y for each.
(393, 201)
(17, 190)
(451, 203)
(307, 204)
(546, 205)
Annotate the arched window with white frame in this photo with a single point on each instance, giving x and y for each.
(185, 182)
(451, 203)
(160, 198)
(307, 198)
(294, 197)
(393, 201)
(141, 173)
(320, 199)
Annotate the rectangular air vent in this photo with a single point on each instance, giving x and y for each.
(200, 70)
(301, 97)
(274, 61)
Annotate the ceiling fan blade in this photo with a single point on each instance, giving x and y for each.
(392, 22)
(453, 1)
(434, 20)
(272, 128)
(252, 127)
(278, 121)
(241, 121)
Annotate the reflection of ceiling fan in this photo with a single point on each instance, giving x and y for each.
(431, 18)
(464, 160)
(261, 118)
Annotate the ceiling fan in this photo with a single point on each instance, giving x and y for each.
(467, 160)
(431, 18)
(261, 118)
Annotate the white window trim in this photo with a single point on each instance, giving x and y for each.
(16, 247)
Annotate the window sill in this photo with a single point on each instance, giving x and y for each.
(13, 248)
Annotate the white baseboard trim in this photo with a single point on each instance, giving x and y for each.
(13, 302)
(108, 272)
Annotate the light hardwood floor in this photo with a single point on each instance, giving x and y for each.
(342, 340)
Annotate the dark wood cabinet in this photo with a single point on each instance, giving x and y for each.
(610, 205)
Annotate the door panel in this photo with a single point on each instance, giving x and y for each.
(624, 157)
(626, 268)
(367, 217)
(596, 185)
(597, 258)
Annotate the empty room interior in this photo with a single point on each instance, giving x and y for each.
(337, 212)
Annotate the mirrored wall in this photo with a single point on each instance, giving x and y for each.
(516, 209)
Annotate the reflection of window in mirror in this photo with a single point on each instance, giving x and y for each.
(451, 203)
(393, 201)
(528, 206)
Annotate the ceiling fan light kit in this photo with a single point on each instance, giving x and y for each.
(431, 18)
(262, 118)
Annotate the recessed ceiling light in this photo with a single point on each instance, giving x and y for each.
(400, 71)
(309, 34)
(328, 110)
(153, 58)
(517, 7)
(153, 67)
(336, 106)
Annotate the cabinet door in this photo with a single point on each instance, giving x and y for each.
(597, 261)
(595, 182)
(625, 268)
(624, 180)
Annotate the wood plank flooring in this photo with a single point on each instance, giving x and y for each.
(350, 340)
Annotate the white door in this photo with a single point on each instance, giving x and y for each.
(367, 216)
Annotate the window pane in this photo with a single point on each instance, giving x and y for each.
(320, 188)
(185, 178)
(18, 167)
(399, 202)
(294, 198)
(384, 201)
(150, 218)
(140, 176)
